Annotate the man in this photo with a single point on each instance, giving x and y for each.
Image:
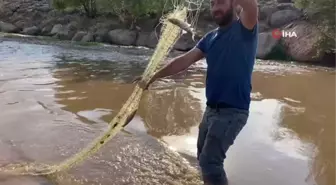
(230, 52)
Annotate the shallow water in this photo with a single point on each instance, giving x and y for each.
(56, 99)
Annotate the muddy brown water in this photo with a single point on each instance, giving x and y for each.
(56, 99)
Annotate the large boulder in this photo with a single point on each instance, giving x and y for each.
(31, 30)
(266, 44)
(147, 39)
(9, 28)
(122, 37)
(283, 17)
(101, 35)
(266, 11)
(301, 48)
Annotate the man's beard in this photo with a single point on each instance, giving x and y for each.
(225, 19)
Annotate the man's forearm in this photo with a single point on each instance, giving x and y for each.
(175, 66)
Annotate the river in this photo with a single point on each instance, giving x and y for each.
(56, 98)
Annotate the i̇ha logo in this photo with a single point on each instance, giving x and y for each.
(277, 34)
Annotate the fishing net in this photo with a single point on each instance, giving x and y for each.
(169, 34)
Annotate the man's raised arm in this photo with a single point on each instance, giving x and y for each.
(249, 13)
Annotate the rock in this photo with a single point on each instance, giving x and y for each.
(101, 35)
(73, 25)
(328, 60)
(184, 43)
(57, 28)
(31, 30)
(88, 38)
(54, 13)
(5, 12)
(263, 27)
(99, 39)
(286, 6)
(283, 17)
(302, 48)
(122, 37)
(66, 19)
(62, 32)
(147, 25)
(147, 39)
(72, 29)
(9, 28)
(142, 39)
(37, 15)
(153, 39)
(284, 1)
(265, 12)
(20, 24)
(78, 36)
(13, 7)
(46, 31)
(266, 44)
(44, 8)
(48, 22)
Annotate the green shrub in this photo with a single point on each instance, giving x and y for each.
(135, 9)
(59, 4)
(89, 6)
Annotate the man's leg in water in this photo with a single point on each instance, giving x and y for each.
(217, 133)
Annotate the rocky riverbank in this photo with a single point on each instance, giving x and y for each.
(36, 17)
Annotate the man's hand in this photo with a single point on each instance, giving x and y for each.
(142, 84)
(248, 12)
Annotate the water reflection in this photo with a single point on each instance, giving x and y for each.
(314, 123)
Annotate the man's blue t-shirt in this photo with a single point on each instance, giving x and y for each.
(230, 55)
